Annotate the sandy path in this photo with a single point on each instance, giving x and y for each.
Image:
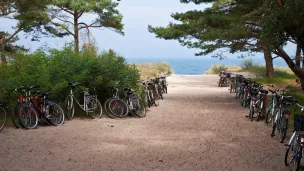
(197, 127)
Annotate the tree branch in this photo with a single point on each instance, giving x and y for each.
(91, 25)
(66, 10)
(67, 21)
(11, 36)
(63, 27)
(80, 15)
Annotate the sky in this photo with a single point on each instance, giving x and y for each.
(137, 42)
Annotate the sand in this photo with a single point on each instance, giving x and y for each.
(198, 126)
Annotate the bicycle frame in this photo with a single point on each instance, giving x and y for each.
(86, 97)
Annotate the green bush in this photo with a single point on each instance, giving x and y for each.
(54, 69)
(247, 63)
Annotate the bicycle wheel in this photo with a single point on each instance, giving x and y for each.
(27, 116)
(297, 159)
(118, 108)
(69, 108)
(269, 114)
(54, 114)
(94, 108)
(230, 88)
(251, 113)
(107, 109)
(259, 112)
(156, 98)
(289, 155)
(140, 109)
(14, 115)
(2, 117)
(283, 129)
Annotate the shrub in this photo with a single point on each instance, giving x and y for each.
(54, 69)
(247, 63)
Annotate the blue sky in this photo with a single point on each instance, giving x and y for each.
(137, 42)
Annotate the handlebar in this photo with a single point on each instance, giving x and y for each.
(74, 84)
(25, 89)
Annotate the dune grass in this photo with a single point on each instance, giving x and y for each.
(154, 69)
(215, 69)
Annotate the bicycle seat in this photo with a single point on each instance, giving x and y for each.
(264, 91)
(128, 91)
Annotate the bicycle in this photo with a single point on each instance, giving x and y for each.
(158, 88)
(148, 93)
(281, 116)
(257, 103)
(27, 115)
(224, 77)
(275, 100)
(164, 84)
(292, 145)
(91, 105)
(117, 107)
(49, 111)
(153, 93)
(135, 105)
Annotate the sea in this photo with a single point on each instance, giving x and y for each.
(199, 65)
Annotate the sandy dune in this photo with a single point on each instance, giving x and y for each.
(197, 127)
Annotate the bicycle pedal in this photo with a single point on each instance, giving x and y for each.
(272, 135)
(287, 145)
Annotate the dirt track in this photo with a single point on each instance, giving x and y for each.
(197, 127)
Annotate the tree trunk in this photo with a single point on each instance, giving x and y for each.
(298, 56)
(269, 64)
(2, 55)
(76, 32)
(3, 59)
(296, 70)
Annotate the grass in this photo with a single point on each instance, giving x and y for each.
(154, 69)
(215, 69)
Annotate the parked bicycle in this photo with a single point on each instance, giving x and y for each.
(135, 105)
(116, 107)
(27, 115)
(47, 109)
(293, 152)
(257, 102)
(281, 117)
(91, 105)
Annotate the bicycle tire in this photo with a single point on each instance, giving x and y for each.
(141, 112)
(268, 117)
(15, 118)
(69, 108)
(273, 129)
(297, 161)
(3, 116)
(287, 159)
(230, 88)
(251, 113)
(55, 114)
(94, 108)
(259, 112)
(118, 108)
(156, 98)
(107, 110)
(25, 115)
(283, 129)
